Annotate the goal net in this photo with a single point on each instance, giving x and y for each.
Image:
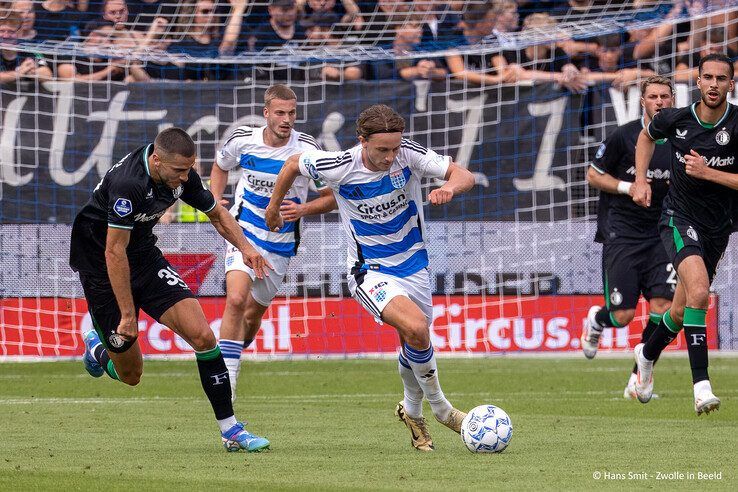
(513, 264)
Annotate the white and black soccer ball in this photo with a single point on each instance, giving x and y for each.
(486, 429)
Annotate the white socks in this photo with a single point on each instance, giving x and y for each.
(423, 364)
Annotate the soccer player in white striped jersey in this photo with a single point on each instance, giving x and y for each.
(377, 187)
(261, 152)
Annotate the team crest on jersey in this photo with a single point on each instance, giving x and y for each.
(115, 340)
(123, 207)
(722, 137)
(177, 192)
(616, 298)
(600, 151)
(397, 178)
(692, 233)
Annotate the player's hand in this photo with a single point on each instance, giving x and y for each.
(291, 211)
(224, 203)
(695, 165)
(257, 263)
(274, 219)
(128, 328)
(441, 195)
(641, 193)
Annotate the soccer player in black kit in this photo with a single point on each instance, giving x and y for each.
(696, 221)
(121, 270)
(633, 258)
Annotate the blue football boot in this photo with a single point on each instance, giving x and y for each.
(91, 365)
(237, 438)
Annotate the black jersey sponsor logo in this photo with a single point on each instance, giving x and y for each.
(662, 174)
(722, 137)
(142, 217)
(123, 207)
(713, 161)
(150, 194)
(681, 134)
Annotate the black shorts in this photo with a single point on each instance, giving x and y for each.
(682, 238)
(155, 287)
(632, 269)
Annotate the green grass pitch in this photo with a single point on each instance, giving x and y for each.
(332, 427)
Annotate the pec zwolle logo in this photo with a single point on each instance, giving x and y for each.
(397, 178)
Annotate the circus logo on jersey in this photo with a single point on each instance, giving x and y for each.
(722, 137)
(177, 192)
(123, 207)
(397, 178)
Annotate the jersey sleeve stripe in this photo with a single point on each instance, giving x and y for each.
(118, 226)
(237, 134)
(409, 144)
(599, 170)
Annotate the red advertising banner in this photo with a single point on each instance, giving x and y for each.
(462, 324)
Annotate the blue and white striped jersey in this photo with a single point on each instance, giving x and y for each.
(261, 164)
(381, 212)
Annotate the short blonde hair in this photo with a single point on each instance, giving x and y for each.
(279, 91)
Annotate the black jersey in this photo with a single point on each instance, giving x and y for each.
(618, 216)
(128, 198)
(709, 204)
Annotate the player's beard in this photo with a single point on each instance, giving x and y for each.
(720, 100)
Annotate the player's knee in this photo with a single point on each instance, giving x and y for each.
(698, 296)
(203, 340)
(623, 316)
(416, 333)
(659, 306)
(236, 300)
(131, 377)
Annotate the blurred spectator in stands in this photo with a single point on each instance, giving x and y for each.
(437, 21)
(56, 20)
(654, 48)
(506, 17)
(706, 42)
(320, 32)
(543, 62)
(16, 65)
(280, 29)
(477, 23)
(615, 63)
(97, 65)
(27, 15)
(381, 25)
(527, 7)
(407, 40)
(347, 12)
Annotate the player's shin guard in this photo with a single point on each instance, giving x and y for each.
(664, 334)
(695, 332)
(102, 357)
(215, 381)
(423, 364)
(413, 393)
(653, 322)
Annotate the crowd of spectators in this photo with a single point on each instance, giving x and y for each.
(406, 29)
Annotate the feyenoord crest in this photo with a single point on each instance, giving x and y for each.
(115, 340)
(397, 178)
(692, 233)
(616, 298)
(722, 137)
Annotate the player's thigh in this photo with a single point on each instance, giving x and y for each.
(620, 276)
(104, 312)
(187, 320)
(658, 278)
(409, 320)
(245, 284)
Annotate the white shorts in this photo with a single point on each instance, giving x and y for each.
(263, 290)
(378, 289)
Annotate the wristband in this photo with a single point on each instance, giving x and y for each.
(624, 187)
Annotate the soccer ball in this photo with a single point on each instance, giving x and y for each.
(486, 429)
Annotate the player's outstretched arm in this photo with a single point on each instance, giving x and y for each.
(218, 182)
(119, 272)
(641, 191)
(292, 211)
(285, 178)
(227, 227)
(697, 168)
(458, 180)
